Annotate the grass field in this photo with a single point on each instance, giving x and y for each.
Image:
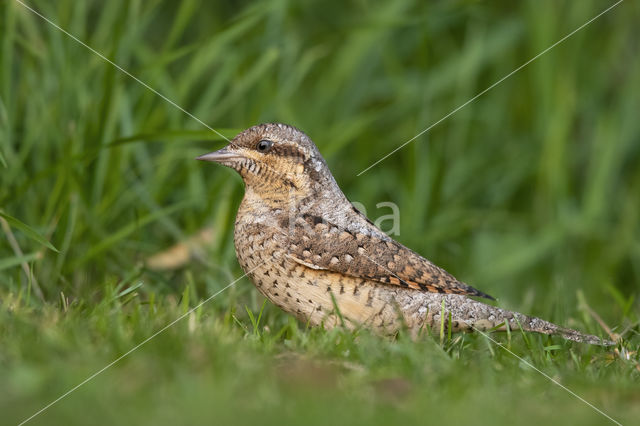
(531, 193)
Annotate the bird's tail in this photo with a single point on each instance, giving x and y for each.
(464, 314)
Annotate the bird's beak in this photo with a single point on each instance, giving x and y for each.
(220, 156)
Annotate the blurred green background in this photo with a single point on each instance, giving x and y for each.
(530, 193)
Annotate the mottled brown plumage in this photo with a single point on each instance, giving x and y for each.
(309, 251)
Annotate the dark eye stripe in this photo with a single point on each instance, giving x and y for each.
(289, 151)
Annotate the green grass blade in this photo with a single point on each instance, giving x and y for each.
(10, 262)
(28, 231)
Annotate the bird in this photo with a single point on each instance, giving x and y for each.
(313, 254)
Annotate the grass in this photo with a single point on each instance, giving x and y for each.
(529, 193)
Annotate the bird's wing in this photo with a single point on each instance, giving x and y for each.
(322, 245)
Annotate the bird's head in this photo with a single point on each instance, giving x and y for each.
(275, 160)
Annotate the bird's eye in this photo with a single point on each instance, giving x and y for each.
(264, 145)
